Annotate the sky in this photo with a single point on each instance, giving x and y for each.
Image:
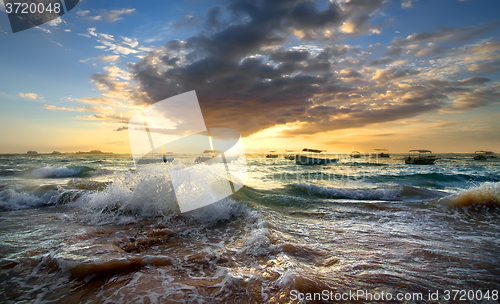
(287, 74)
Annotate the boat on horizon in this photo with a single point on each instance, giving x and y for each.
(420, 157)
(213, 154)
(482, 155)
(290, 155)
(356, 154)
(382, 154)
(271, 154)
(314, 160)
(156, 158)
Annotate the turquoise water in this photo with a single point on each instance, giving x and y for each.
(92, 229)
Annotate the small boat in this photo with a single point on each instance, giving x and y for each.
(382, 153)
(156, 158)
(211, 154)
(355, 154)
(314, 160)
(420, 157)
(168, 157)
(32, 153)
(272, 154)
(290, 155)
(482, 155)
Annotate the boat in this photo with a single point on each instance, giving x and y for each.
(168, 157)
(210, 156)
(482, 155)
(272, 154)
(32, 153)
(420, 157)
(290, 155)
(355, 154)
(156, 158)
(314, 160)
(382, 153)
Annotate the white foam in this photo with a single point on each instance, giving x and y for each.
(55, 172)
(11, 200)
(147, 193)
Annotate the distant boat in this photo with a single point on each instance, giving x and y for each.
(168, 157)
(314, 160)
(355, 154)
(212, 154)
(32, 153)
(56, 153)
(420, 157)
(382, 154)
(290, 155)
(482, 155)
(271, 154)
(156, 158)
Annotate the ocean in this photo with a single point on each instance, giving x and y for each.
(92, 229)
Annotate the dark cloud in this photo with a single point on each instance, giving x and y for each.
(381, 61)
(447, 33)
(392, 74)
(289, 56)
(248, 77)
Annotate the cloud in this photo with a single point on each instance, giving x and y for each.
(446, 34)
(123, 46)
(391, 74)
(255, 65)
(407, 3)
(55, 22)
(30, 96)
(485, 68)
(103, 58)
(112, 16)
(50, 107)
(82, 13)
(43, 30)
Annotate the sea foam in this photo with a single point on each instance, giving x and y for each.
(486, 195)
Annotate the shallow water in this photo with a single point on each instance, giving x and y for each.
(93, 230)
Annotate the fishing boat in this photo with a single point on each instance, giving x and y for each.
(420, 157)
(382, 153)
(355, 154)
(290, 155)
(482, 155)
(272, 154)
(309, 159)
(210, 156)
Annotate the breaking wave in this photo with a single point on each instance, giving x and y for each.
(70, 171)
(486, 195)
(393, 193)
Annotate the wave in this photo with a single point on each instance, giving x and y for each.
(393, 193)
(69, 171)
(42, 196)
(147, 193)
(486, 195)
(434, 179)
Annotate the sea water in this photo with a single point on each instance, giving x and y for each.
(92, 229)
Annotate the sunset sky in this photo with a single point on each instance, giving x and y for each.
(287, 74)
